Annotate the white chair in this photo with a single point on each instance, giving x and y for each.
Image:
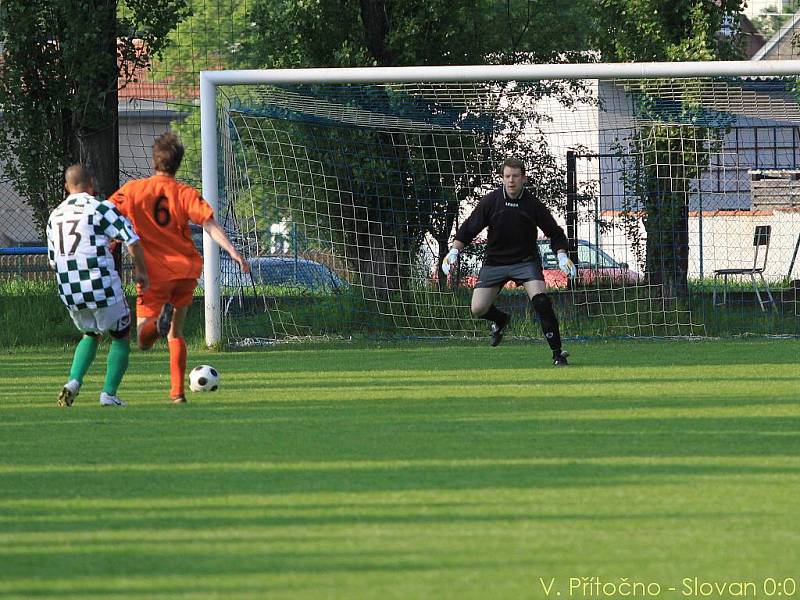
(760, 252)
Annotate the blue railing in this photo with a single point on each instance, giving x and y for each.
(23, 250)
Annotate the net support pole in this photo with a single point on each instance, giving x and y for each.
(572, 206)
(208, 141)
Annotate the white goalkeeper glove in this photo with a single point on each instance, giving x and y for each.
(450, 260)
(566, 265)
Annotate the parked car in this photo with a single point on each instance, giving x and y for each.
(280, 271)
(593, 266)
(294, 272)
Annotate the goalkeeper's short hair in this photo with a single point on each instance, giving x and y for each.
(512, 163)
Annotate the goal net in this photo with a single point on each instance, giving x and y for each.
(344, 188)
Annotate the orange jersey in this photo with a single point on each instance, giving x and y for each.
(160, 208)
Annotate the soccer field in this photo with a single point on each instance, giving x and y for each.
(437, 471)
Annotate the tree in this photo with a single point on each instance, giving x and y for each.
(394, 198)
(664, 30)
(211, 37)
(771, 19)
(670, 156)
(60, 71)
(348, 33)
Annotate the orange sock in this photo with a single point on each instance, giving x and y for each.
(148, 333)
(177, 366)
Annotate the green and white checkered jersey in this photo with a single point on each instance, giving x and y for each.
(78, 233)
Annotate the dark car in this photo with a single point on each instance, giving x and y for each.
(279, 271)
(295, 274)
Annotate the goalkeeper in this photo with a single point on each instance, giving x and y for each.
(513, 216)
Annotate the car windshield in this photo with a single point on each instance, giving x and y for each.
(549, 260)
(592, 256)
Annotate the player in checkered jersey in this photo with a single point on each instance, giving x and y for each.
(78, 234)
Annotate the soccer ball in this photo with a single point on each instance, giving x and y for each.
(204, 378)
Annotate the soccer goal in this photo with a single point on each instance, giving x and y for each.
(344, 187)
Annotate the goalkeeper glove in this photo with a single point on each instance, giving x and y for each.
(449, 260)
(566, 265)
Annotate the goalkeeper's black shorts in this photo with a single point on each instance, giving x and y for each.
(519, 273)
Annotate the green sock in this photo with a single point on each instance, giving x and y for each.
(84, 355)
(116, 365)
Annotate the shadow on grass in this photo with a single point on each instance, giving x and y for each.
(203, 574)
(205, 460)
(160, 543)
(237, 524)
(435, 456)
(535, 355)
(402, 428)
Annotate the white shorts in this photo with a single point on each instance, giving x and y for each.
(116, 317)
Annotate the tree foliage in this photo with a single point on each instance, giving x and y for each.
(211, 37)
(59, 77)
(769, 22)
(668, 156)
(395, 195)
(349, 33)
(664, 30)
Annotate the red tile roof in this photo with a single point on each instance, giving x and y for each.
(141, 85)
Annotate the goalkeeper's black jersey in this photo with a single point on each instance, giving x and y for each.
(513, 225)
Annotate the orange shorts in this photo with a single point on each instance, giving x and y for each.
(177, 292)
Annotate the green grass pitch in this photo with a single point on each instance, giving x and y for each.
(436, 471)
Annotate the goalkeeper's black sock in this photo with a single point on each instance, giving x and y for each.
(495, 315)
(547, 317)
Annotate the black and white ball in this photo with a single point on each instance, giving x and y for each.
(204, 378)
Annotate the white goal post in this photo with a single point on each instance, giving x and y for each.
(210, 81)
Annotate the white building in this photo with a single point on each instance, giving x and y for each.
(759, 125)
(755, 8)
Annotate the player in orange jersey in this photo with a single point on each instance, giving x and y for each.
(160, 208)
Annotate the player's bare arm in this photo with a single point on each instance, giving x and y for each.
(217, 234)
